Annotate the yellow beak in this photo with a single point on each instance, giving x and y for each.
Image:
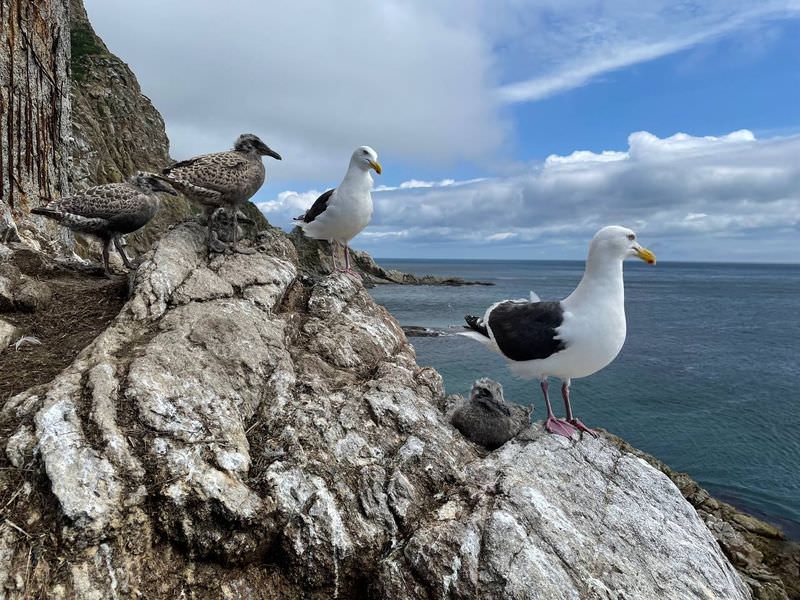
(646, 255)
(377, 166)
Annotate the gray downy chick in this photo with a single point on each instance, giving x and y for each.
(486, 418)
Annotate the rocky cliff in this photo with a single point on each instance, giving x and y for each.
(116, 130)
(34, 110)
(238, 431)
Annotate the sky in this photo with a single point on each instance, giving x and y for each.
(506, 129)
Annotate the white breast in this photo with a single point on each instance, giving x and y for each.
(348, 212)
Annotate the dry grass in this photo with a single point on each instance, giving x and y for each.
(82, 306)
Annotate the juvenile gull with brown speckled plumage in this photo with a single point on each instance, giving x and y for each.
(109, 211)
(222, 179)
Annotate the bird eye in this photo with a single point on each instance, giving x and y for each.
(365, 152)
(631, 237)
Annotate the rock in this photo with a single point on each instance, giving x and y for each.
(115, 128)
(486, 418)
(8, 334)
(34, 87)
(32, 296)
(315, 261)
(275, 435)
(530, 525)
(769, 563)
(6, 294)
(419, 331)
(116, 131)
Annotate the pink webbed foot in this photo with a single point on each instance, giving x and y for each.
(559, 427)
(578, 424)
(352, 273)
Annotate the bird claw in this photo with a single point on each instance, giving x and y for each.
(559, 427)
(243, 250)
(578, 424)
(215, 246)
(352, 273)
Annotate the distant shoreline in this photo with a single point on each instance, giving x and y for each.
(579, 261)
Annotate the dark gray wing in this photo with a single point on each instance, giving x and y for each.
(527, 330)
(319, 206)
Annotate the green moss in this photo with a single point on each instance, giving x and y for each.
(84, 44)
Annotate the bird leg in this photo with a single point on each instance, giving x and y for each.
(333, 255)
(235, 237)
(347, 269)
(106, 270)
(214, 245)
(576, 423)
(553, 425)
(121, 249)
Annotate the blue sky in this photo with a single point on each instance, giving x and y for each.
(545, 120)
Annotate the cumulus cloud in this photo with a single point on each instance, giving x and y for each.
(679, 188)
(317, 79)
(425, 82)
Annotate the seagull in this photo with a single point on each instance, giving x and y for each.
(571, 338)
(222, 179)
(340, 214)
(109, 211)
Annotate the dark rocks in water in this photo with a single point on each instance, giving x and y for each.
(315, 260)
(486, 418)
(419, 331)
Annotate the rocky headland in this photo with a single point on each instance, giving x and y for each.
(239, 430)
(247, 426)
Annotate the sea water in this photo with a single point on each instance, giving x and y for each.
(708, 380)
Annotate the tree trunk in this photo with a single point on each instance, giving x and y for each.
(34, 108)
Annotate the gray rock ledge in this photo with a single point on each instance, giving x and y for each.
(235, 434)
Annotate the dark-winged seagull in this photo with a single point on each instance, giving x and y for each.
(571, 338)
(340, 214)
(110, 211)
(222, 179)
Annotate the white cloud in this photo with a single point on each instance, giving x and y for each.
(503, 235)
(424, 82)
(583, 40)
(681, 187)
(416, 184)
(316, 79)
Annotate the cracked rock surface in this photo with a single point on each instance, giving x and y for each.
(238, 432)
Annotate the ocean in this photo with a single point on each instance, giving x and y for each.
(708, 380)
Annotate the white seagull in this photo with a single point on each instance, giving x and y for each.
(571, 338)
(340, 214)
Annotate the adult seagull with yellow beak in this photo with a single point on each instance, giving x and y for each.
(571, 338)
(340, 214)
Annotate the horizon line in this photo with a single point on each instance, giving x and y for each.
(581, 260)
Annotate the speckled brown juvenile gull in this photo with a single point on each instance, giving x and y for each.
(110, 211)
(222, 179)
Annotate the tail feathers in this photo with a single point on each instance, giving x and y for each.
(50, 213)
(476, 324)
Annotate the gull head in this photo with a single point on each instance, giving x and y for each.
(615, 242)
(252, 144)
(149, 183)
(366, 158)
